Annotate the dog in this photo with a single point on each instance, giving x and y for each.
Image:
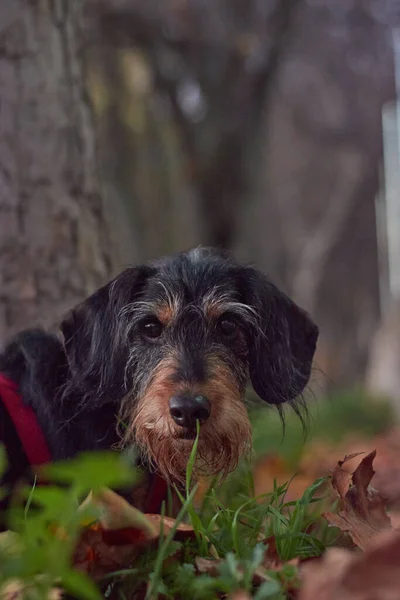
(158, 349)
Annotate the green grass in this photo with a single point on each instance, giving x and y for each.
(236, 530)
(231, 526)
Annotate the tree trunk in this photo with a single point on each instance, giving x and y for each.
(54, 243)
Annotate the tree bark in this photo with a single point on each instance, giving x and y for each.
(54, 243)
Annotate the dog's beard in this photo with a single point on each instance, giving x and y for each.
(224, 438)
(222, 442)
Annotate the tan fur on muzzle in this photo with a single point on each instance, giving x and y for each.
(224, 438)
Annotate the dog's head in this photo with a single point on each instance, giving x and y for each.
(176, 342)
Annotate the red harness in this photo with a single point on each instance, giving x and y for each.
(25, 423)
(35, 445)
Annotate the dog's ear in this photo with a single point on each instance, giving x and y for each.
(282, 345)
(95, 338)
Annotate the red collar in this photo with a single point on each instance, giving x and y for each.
(25, 423)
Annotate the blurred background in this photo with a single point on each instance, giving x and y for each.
(132, 128)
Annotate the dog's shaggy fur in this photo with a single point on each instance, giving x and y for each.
(194, 327)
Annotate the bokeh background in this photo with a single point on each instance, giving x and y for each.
(135, 128)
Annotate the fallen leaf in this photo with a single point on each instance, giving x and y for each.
(208, 566)
(395, 519)
(240, 595)
(183, 531)
(363, 514)
(271, 555)
(343, 575)
(95, 556)
(117, 514)
(321, 578)
(341, 479)
(119, 534)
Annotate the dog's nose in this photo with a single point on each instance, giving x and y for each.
(186, 410)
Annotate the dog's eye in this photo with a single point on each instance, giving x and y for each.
(151, 328)
(227, 326)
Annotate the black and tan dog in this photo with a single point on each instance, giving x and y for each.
(157, 349)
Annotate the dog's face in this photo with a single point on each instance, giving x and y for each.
(176, 342)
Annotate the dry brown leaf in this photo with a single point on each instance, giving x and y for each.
(363, 514)
(272, 560)
(117, 513)
(97, 558)
(271, 551)
(322, 578)
(343, 575)
(101, 551)
(118, 536)
(341, 479)
(208, 566)
(183, 532)
(240, 595)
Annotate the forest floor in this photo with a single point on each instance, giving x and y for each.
(305, 520)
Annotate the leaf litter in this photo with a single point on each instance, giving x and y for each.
(116, 538)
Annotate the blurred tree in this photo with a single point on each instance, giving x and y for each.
(310, 217)
(208, 68)
(252, 125)
(54, 234)
(270, 116)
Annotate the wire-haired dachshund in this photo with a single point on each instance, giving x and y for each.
(157, 349)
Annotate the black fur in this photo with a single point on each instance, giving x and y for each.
(76, 382)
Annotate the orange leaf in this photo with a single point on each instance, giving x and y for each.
(363, 513)
(117, 514)
(97, 558)
(343, 575)
(240, 595)
(115, 540)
